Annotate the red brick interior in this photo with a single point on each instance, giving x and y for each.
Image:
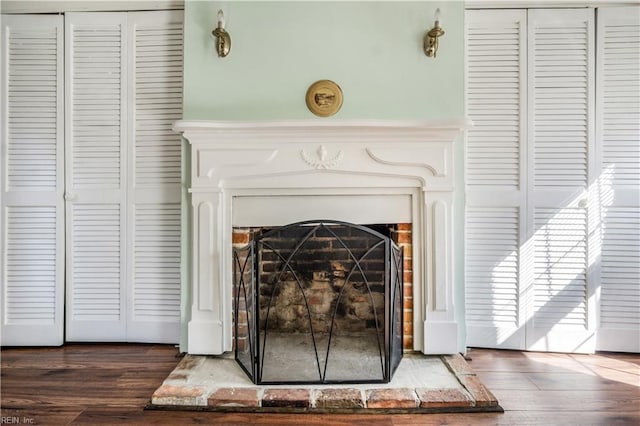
(401, 234)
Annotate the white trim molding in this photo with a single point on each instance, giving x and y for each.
(62, 6)
(278, 172)
(546, 4)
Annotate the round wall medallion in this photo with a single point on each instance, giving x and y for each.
(324, 98)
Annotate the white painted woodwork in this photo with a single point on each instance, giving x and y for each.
(618, 189)
(530, 283)
(561, 135)
(496, 64)
(271, 165)
(154, 170)
(492, 272)
(32, 215)
(124, 91)
(60, 6)
(96, 111)
(496, 70)
(523, 4)
(280, 210)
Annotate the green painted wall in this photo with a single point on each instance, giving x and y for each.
(373, 50)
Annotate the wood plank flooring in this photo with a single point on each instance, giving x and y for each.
(107, 384)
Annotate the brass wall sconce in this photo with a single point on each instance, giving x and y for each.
(223, 39)
(431, 38)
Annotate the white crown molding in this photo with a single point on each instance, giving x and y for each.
(536, 4)
(61, 6)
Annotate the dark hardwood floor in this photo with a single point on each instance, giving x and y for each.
(111, 384)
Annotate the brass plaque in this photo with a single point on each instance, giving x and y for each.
(324, 98)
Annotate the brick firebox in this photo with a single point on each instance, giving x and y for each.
(400, 233)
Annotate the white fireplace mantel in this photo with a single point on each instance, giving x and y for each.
(255, 173)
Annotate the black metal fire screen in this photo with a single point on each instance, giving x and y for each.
(318, 302)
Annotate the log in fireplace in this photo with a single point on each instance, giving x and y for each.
(319, 302)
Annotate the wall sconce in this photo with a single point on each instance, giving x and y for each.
(223, 39)
(431, 38)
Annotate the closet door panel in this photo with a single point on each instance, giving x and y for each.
(619, 177)
(32, 213)
(123, 165)
(561, 95)
(96, 89)
(154, 161)
(495, 100)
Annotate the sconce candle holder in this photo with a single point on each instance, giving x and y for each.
(223, 39)
(432, 36)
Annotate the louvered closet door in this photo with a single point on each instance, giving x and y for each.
(560, 212)
(496, 85)
(153, 274)
(618, 100)
(32, 216)
(96, 91)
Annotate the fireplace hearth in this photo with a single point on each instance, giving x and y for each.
(319, 302)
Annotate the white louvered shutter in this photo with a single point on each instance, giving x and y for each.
(496, 86)
(32, 217)
(154, 159)
(96, 92)
(618, 112)
(561, 95)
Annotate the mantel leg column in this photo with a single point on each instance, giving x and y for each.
(207, 324)
(440, 326)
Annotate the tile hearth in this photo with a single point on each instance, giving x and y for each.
(421, 384)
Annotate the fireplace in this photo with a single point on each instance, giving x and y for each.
(271, 174)
(324, 299)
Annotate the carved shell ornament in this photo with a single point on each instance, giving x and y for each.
(321, 162)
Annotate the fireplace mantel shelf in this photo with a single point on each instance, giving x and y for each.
(359, 171)
(184, 125)
(286, 130)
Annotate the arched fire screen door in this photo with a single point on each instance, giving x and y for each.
(318, 302)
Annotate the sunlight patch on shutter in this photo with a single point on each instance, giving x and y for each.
(560, 261)
(491, 260)
(620, 295)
